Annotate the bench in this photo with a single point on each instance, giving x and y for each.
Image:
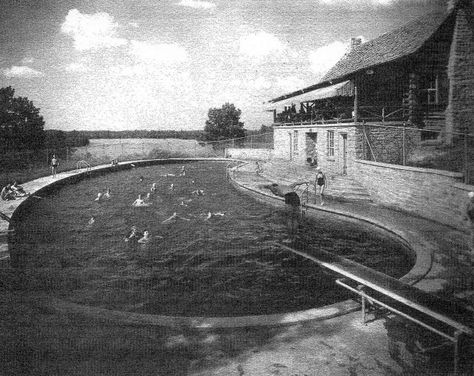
(448, 319)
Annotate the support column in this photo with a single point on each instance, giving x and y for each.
(460, 110)
(355, 115)
(414, 116)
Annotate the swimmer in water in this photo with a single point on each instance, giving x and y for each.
(146, 238)
(133, 234)
(107, 193)
(139, 201)
(198, 192)
(183, 171)
(153, 187)
(171, 188)
(147, 198)
(174, 218)
(99, 196)
(141, 179)
(211, 215)
(91, 221)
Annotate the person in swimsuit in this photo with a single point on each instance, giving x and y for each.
(145, 238)
(469, 217)
(153, 188)
(133, 234)
(107, 193)
(319, 184)
(139, 202)
(18, 190)
(292, 206)
(54, 165)
(7, 193)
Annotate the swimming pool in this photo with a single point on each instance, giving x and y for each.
(226, 265)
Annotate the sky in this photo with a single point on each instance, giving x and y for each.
(161, 64)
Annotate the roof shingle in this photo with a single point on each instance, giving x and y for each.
(390, 46)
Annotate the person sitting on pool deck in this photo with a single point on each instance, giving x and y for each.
(18, 190)
(292, 205)
(7, 193)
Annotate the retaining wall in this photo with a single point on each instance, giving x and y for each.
(433, 194)
(259, 154)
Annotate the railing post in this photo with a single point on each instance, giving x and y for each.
(403, 145)
(466, 162)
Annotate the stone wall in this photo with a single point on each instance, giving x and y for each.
(460, 111)
(333, 165)
(254, 154)
(433, 194)
(386, 144)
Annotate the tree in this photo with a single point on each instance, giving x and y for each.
(224, 123)
(21, 126)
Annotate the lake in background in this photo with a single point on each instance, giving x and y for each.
(129, 148)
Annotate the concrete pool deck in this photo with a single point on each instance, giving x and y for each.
(337, 346)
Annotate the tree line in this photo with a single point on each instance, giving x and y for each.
(22, 127)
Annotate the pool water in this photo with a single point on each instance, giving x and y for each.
(227, 265)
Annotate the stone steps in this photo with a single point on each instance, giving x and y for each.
(339, 187)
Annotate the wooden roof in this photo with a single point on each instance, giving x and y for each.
(391, 46)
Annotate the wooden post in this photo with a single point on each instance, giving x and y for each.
(413, 111)
(356, 105)
(466, 162)
(403, 146)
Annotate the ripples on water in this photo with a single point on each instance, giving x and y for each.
(227, 265)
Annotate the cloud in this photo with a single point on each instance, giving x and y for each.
(76, 67)
(197, 4)
(324, 58)
(91, 31)
(158, 53)
(21, 71)
(290, 83)
(260, 83)
(259, 45)
(27, 60)
(360, 2)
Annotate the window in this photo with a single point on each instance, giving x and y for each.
(330, 143)
(295, 142)
(433, 91)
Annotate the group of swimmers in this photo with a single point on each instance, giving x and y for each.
(134, 235)
(12, 191)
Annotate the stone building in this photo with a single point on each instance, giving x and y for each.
(377, 97)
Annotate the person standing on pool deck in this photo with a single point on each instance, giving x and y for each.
(469, 216)
(319, 184)
(292, 206)
(54, 165)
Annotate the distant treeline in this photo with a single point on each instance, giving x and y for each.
(59, 139)
(189, 135)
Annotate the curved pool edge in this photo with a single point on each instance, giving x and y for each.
(130, 318)
(415, 243)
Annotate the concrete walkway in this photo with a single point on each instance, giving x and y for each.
(36, 340)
